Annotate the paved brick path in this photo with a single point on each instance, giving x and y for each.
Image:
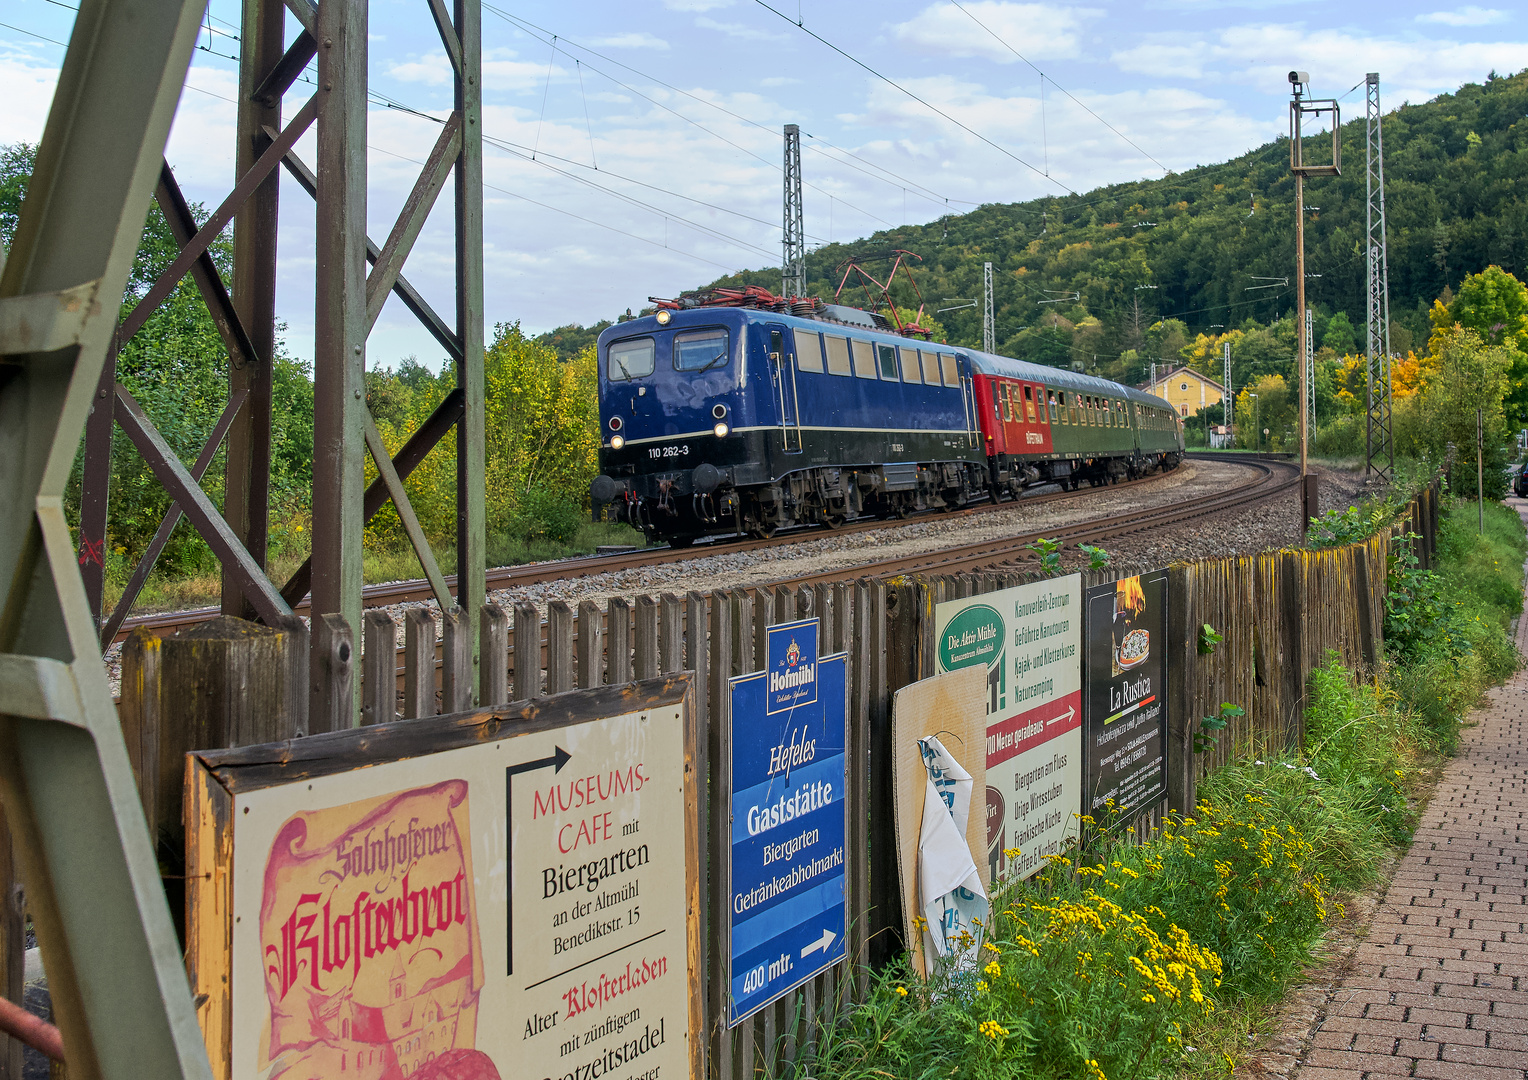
(1440, 987)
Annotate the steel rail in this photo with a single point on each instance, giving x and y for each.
(398, 592)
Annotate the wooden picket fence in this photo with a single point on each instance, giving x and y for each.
(1278, 615)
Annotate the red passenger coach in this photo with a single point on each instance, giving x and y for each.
(1015, 416)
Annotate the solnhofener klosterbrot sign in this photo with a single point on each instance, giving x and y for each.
(520, 905)
(1029, 641)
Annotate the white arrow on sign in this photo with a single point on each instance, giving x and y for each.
(821, 944)
(1070, 712)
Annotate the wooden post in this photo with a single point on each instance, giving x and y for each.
(1292, 626)
(858, 792)
(379, 667)
(334, 646)
(527, 652)
(1364, 597)
(618, 650)
(418, 664)
(456, 653)
(646, 638)
(1182, 657)
(296, 644)
(13, 944)
(670, 633)
(591, 634)
(493, 671)
(222, 683)
(719, 814)
(559, 647)
(892, 645)
(139, 715)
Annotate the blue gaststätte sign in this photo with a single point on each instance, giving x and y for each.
(787, 785)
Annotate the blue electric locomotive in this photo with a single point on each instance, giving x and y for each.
(734, 419)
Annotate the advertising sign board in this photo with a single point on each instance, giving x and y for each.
(1126, 731)
(515, 906)
(1029, 640)
(788, 782)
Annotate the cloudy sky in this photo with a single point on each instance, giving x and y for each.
(637, 146)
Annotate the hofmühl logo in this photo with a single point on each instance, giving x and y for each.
(792, 674)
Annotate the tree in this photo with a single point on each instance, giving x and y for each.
(1470, 375)
(1494, 305)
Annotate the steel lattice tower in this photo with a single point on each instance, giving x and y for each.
(989, 324)
(793, 266)
(1379, 443)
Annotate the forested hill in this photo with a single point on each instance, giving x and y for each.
(1455, 170)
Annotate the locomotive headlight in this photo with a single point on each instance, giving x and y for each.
(616, 442)
(664, 316)
(721, 431)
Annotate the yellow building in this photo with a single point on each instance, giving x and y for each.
(1186, 390)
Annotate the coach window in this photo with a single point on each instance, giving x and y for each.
(701, 350)
(1029, 404)
(630, 359)
(838, 355)
(1002, 390)
(887, 354)
(808, 350)
(1051, 394)
(951, 371)
(910, 370)
(864, 358)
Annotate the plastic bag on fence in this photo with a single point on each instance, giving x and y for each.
(949, 884)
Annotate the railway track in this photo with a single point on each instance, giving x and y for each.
(1271, 478)
(382, 595)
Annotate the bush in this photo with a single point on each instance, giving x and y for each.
(547, 515)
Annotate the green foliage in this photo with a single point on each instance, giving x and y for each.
(1050, 555)
(1338, 528)
(545, 514)
(1446, 630)
(1098, 558)
(1208, 638)
(1208, 735)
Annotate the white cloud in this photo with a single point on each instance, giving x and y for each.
(1164, 55)
(1465, 16)
(28, 74)
(738, 30)
(634, 40)
(1037, 30)
(1260, 55)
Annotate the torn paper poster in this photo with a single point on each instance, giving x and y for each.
(949, 885)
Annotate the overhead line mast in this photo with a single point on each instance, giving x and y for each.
(1378, 444)
(793, 266)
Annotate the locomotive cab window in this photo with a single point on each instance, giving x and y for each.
(950, 370)
(701, 350)
(887, 354)
(808, 350)
(630, 359)
(838, 355)
(864, 358)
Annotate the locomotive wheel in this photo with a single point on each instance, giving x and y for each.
(764, 531)
(903, 511)
(834, 521)
(682, 540)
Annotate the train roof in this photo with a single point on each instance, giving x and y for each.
(983, 362)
